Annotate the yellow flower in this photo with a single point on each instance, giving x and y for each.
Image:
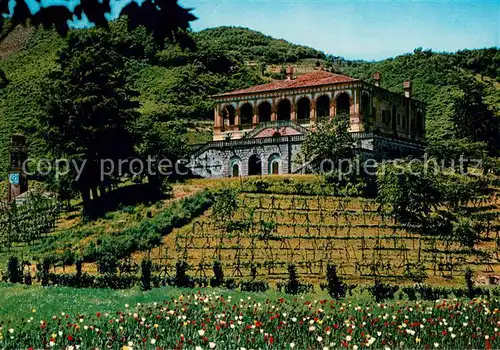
(417, 340)
(156, 325)
(34, 310)
(54, 335)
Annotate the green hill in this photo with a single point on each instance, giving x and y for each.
(176, 84)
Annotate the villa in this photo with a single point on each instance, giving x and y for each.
(259, 130)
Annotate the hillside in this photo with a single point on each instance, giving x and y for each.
(175, 84)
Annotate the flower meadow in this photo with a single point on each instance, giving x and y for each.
(211, 321)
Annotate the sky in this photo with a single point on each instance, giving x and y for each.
(368, 30)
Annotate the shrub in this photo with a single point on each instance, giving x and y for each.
(382, 291)
(27, 279)
(335, 285)
(45, 271)
(254, 286)
(146, 268)
(469, 283)
(14, 270)
(218, 278)
(292, 286)
(230, 283)
(181, 278)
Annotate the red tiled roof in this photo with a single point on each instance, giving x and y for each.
(317, 78)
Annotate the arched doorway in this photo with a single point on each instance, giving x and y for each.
(343, 104)
(246, 113)
(228, 115)
(254, 165)
(323, 107)
(274, 164)
(303, 109)
(264, 112)
(234, 167)
(284, 110)
(235, 171)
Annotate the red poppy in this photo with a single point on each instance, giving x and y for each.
(70, 338)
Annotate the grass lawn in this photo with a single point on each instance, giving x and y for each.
(167, 318)
(17, 302)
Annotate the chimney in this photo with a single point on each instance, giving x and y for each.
(376, 77)
(289, 73)
(407, 87)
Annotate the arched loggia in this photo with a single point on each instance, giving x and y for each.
(284, 110)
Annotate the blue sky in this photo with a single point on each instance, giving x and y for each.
(361, 29)
(369, 29)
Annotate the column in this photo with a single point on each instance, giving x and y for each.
(313, 109)
(237, 118)
(274, 110)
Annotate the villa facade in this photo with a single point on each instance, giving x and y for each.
(259, 130)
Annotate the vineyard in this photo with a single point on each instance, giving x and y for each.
(27, 222)
(270, 231)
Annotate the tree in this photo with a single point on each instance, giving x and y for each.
(329, 144)
(163, 144)
(162, 18)
(90, 110)
(409, 189)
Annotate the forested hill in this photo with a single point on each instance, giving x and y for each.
(175, 84)
(251, 45)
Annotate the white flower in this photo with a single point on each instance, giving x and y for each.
(312, 328)
(292, 345)
(201, 332)
(51, 343)
(486, 337)
(11, 330)
(153, 341)
(130, 343)
(348, 338)
(453, 336)
(319, 339)
(212, 345)
(198, 348)
(294, 319)
(355, 347)
(436, 345)
(379, 333)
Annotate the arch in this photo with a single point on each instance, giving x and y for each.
(264, 110)
(274, 164)
(235, 167)
(284, 109)
(323, 106)
(254, 165)
(303, 108)
(343, 104)
(228, 115)
(246, 114)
